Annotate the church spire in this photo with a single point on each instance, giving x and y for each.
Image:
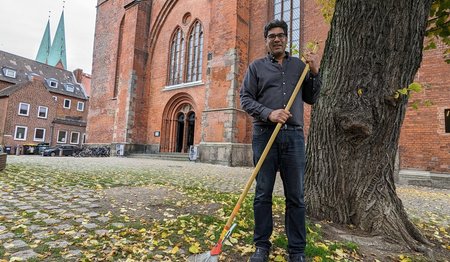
(57, 55)
(44, 48)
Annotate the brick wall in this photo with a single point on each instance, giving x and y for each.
(84, 79)
(157, 68)
(102, 106)
(233, 37)
(4, 85)
(35, 94)
(3, 112)
(72, 112)
(424, 144)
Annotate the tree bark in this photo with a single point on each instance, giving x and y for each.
(373, 49)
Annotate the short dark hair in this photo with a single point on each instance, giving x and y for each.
(275, 23)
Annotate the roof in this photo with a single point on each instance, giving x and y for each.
(11, 89)
(25, 68)
(44, 47)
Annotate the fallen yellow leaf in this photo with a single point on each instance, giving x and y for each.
(174, 250)
(317, 259)
(279, 258)
(194, 248)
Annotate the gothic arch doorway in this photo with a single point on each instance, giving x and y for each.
(178, 125)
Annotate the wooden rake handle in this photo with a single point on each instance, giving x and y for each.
(263, 156)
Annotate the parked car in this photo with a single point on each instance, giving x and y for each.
(67, 150)
(41, 147)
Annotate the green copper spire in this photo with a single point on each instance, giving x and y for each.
(44, 48)
(58, 50)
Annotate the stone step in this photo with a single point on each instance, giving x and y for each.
(163, 156)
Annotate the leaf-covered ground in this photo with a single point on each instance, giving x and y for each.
(109, 209)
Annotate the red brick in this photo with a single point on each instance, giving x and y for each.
(233, 36)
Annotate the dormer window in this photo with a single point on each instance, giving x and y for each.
(69, 87)
(52, 83)
(8, 72)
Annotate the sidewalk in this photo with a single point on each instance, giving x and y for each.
(424, 178)
(71, 205)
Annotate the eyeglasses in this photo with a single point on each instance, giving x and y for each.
(280, 36)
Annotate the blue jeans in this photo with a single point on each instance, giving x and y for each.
(288, 156)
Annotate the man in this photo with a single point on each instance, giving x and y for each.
(267, 87)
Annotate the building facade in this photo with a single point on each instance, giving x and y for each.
(167, 73)
(39, 103)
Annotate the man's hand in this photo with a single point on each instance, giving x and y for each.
(312, 59)
(279, 116)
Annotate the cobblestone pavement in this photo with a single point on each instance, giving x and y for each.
(41, 207)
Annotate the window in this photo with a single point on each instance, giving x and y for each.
(67, 103)
(180, 73)
(176, 62)
(8, 72)
(80, 106)
(195, 53)
(69, 87)
(42, 111)
(52, 83)
(62, 136)
(447, 120)
(55, 98)
(24, 109)
(118, 59)
(74, 138)
(289, 11)
(20, 133)
(39, 134)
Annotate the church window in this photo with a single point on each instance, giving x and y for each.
(289, 11)
(447, 120)
(118, 59)
(186, 18)
(176, 62)
(195, 53)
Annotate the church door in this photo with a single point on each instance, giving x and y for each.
(178, 125)
(180, 133)
(190, 129)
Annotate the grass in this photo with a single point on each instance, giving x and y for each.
(168, 239)
(153, 239)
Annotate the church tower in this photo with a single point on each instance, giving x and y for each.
(54, 54)
(44, 48)
(57, 55)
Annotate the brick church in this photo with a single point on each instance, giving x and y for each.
(167, 73)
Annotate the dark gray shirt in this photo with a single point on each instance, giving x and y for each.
(268, 86)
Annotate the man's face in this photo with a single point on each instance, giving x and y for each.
(276, 42)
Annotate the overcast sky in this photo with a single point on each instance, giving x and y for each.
(22, 25)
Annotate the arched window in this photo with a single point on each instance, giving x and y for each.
(118, 59)
(195, 53)
(289, 11)
(176, 64)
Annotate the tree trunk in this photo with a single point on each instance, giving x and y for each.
(373, 49)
